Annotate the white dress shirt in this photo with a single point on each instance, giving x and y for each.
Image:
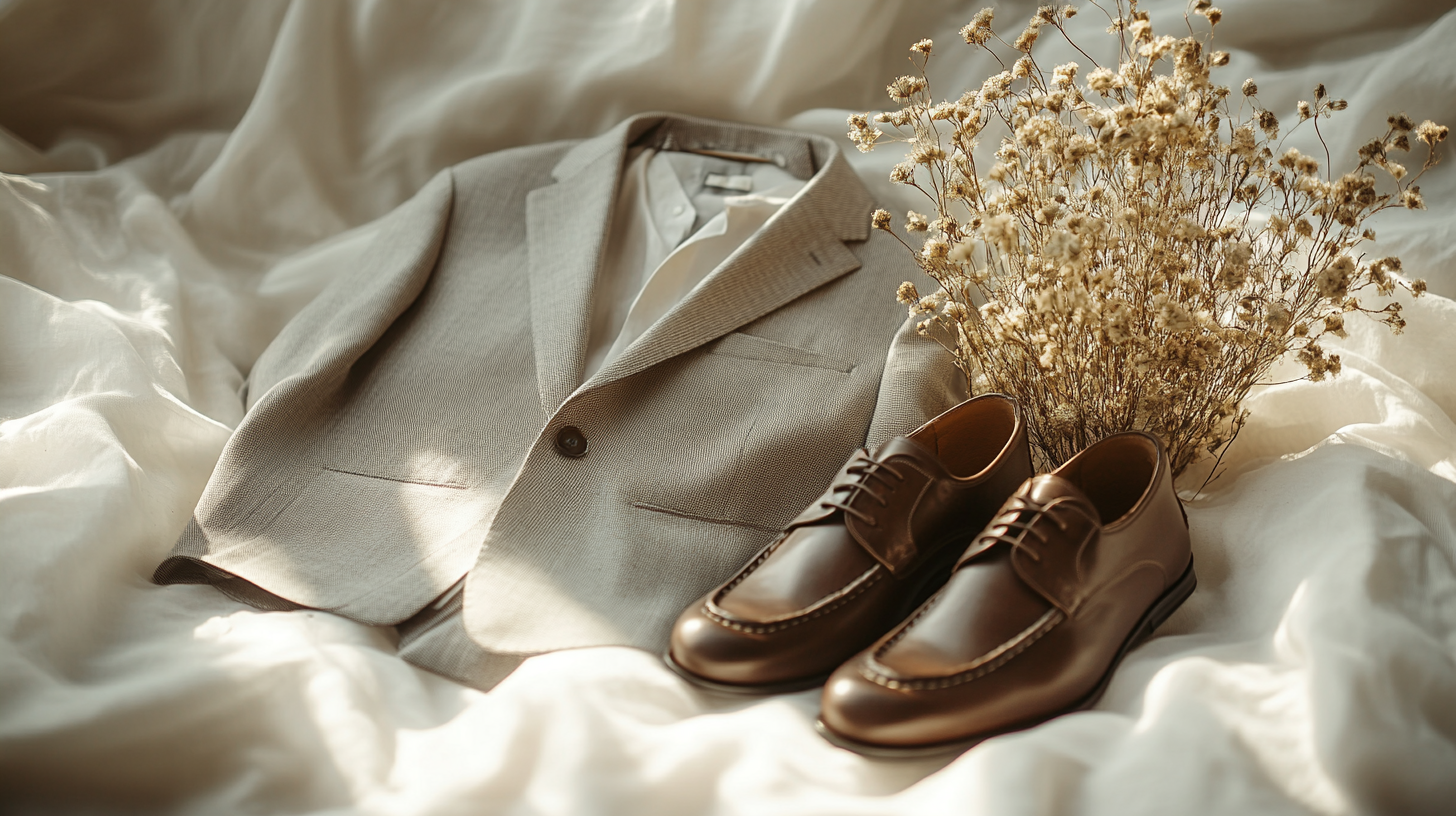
(677, 217)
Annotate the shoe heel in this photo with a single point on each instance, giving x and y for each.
(1172, 598)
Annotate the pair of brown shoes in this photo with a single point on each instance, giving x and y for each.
(946, 594)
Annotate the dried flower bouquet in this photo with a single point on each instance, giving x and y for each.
(1143, 249)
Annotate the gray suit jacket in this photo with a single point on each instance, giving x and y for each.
(400, 431)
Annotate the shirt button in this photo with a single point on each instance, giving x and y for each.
(570, 441)
(679, 210)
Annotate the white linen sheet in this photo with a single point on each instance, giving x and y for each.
(181, 178)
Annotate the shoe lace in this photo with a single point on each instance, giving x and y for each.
(865, 471)
(1020, 518)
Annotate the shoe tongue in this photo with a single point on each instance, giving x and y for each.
(1047, 487)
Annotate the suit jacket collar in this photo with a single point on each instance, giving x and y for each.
(798, 250)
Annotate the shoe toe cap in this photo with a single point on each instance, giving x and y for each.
(882, 713)
(709, 649)
(856, 707)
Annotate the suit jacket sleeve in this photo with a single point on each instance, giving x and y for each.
(315, 350)
(920, 381)
(295, 381)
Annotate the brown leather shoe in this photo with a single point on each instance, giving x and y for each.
(877, 543)
(1040, 610)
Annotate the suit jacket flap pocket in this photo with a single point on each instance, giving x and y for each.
(753, 347)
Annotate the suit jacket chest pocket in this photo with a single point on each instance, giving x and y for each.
(752, 347)
(763, 428)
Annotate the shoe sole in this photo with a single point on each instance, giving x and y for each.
(743, 690)
(925, 586)
(1157, 614)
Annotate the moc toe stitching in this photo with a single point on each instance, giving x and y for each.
(879, 674)
(722, 618)
(751, 566)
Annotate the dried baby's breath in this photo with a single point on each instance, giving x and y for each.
(1140, 251)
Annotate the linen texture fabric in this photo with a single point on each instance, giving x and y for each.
(401, 430)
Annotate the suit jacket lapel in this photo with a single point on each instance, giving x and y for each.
(800, 249)
(567, 224)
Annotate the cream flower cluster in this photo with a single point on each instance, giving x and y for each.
(1141, 249)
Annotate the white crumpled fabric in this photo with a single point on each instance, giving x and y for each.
(183, 177)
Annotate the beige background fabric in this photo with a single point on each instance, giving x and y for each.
(184, 178)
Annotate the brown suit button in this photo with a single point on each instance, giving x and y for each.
(570, 441)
